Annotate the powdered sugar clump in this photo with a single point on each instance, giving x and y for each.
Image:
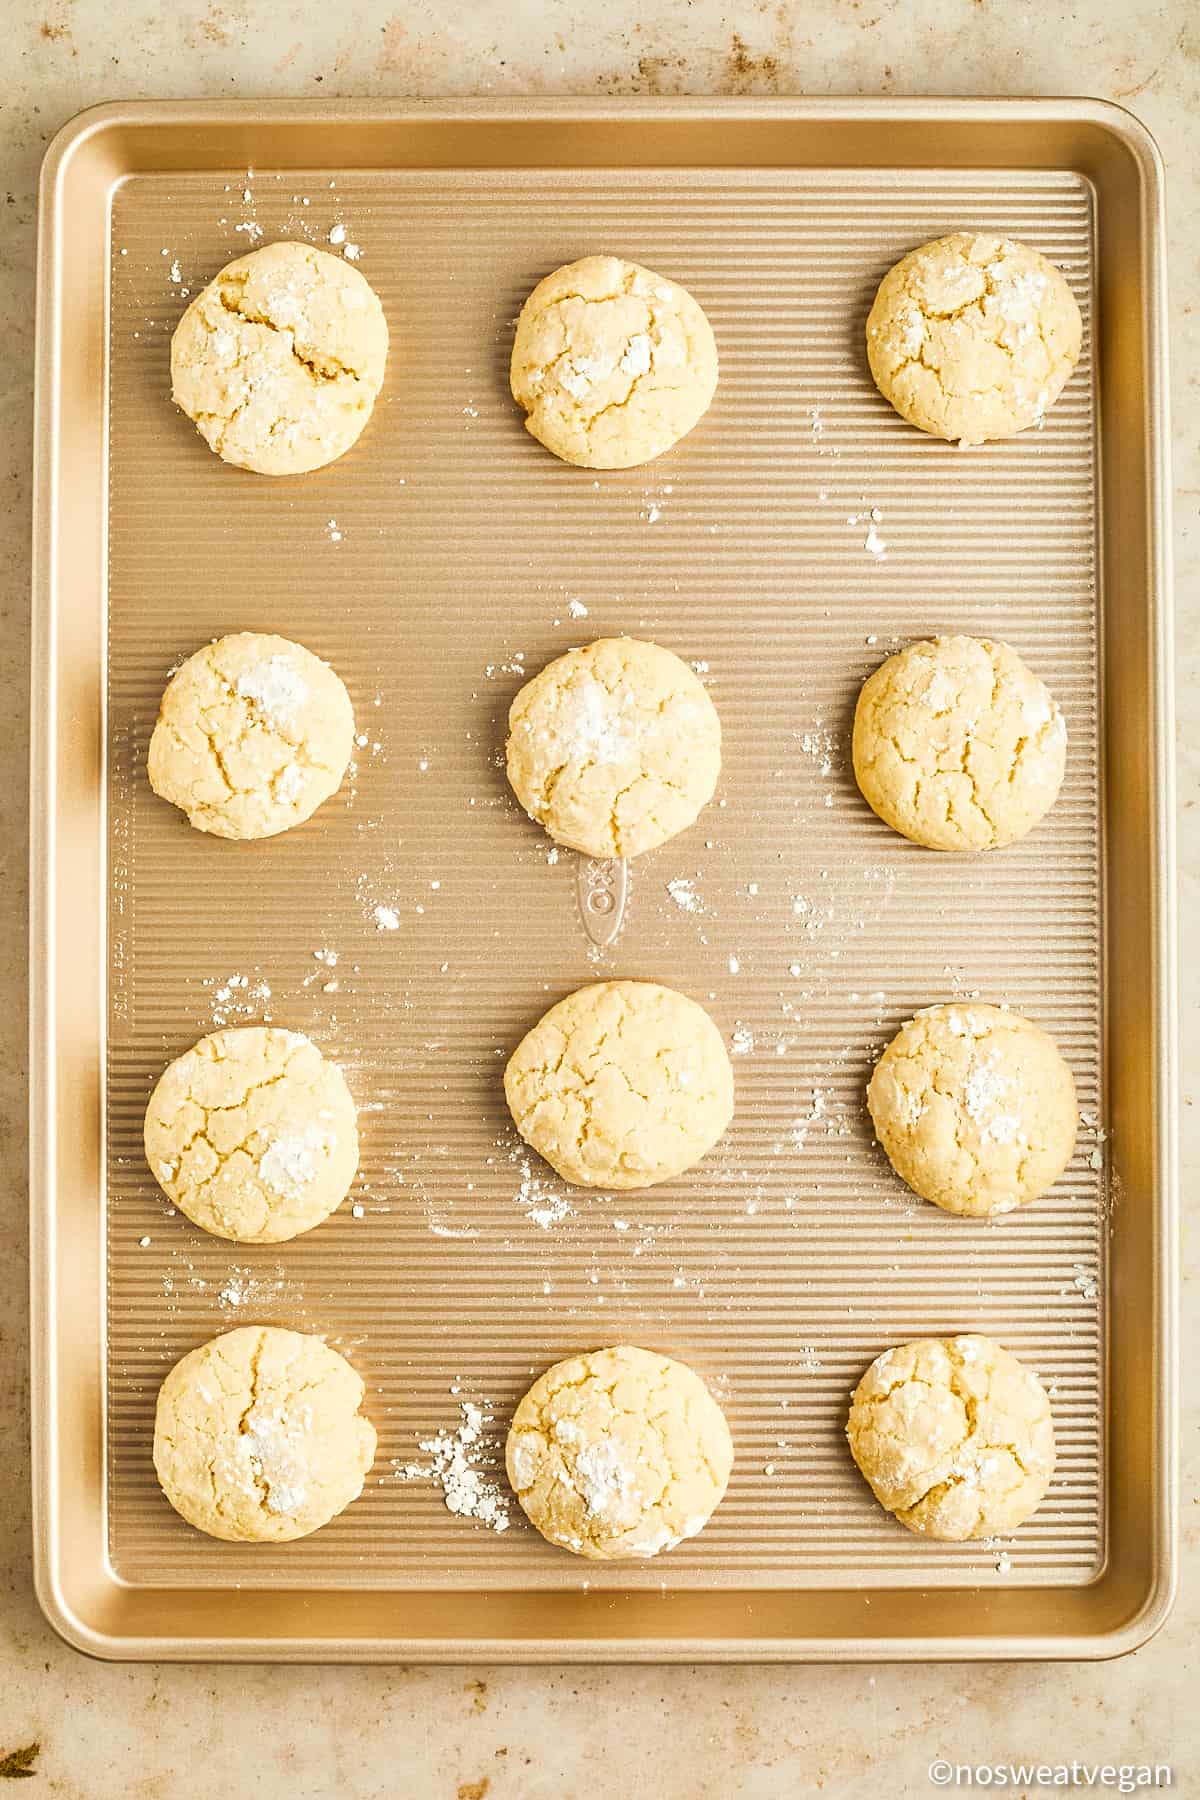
(469, 1492)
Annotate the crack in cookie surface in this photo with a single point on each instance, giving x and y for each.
(279, 360)
(954, 1436)
(611, 363)
(621, 1085)
(252, 1134)
(614, 747)
(973, 337)
(958, 745)
(258, 1436)
(619, 1453)
(975, 1108)
(254, 733)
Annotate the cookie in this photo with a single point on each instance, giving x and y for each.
(279, 360)
(957, 745)
(975, 1108)
(619, 1453)
(973, 337)
(954, 1436)
(253, 734)
(611, 363)
(258, 1438)
(621, 1085)
(614, 748)
(253, 1135)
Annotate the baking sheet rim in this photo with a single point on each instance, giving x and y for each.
(43, 1037)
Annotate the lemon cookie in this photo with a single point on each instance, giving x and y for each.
(612, 363)
(973, 337)
(619, 1453)
(253, 733)
(958, 745)
(614, 747)
(279, 360)
(253, 1134)
(258, 1437)
(975, 1108)
(954, 1436)
(621, 1085)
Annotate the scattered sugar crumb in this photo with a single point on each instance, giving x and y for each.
(541, 1202)
(386, 919)
(237, 997)
(243, 1288)
(1084, 1283)
(822, 745)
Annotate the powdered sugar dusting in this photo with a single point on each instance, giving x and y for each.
(275, 687)
(985, 1095)
(290, 1162)
(274, 1446)
(602, 1476)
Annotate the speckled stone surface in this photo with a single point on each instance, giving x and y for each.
(546, 1734)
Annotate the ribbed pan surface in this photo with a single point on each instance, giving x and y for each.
(433, 565)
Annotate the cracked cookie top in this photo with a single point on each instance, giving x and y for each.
(253, 1134)
(973, 337)
(253, 733)
(612, 363)
(954, 1436)
(279, 360)
(258, 1437)
(619, 1453)
(975, 1108)
(621, 1085)
(958, 745)
(614, 747)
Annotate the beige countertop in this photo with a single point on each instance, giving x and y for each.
(466, 1733)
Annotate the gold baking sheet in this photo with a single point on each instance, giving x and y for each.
(433, 565)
